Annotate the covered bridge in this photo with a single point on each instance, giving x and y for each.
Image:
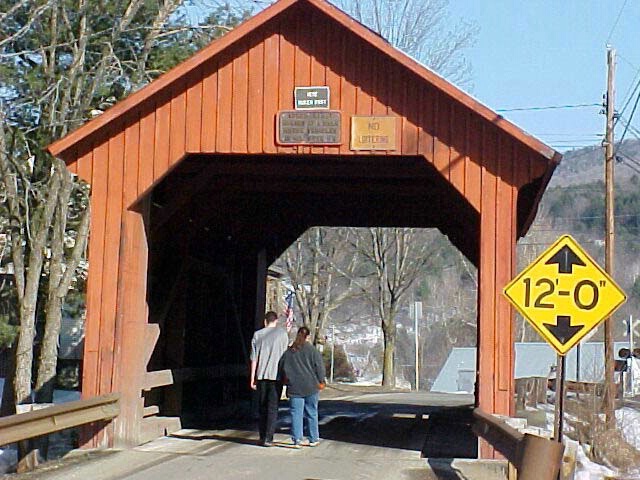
(205, 176)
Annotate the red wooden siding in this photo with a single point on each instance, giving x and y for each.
(229, 105)
(226, 101)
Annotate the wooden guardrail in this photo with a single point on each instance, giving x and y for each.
(24, 426)
(535, 458)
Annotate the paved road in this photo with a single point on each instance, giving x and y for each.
(365, 435)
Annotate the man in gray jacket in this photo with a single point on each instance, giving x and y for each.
(267, 346)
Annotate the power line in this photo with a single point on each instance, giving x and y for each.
(543, 244)
(573, 147)
(569, 134)
(633, 111)
(591, 217)
(615, 24)
(635, 169)
(629, 159)
(548, 107)
(635, 131)
(573, 140)
(629, 96)
(591, 148)
(576, 188)
(629, 62)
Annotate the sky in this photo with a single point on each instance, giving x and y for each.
(540, 53)
(548, 53)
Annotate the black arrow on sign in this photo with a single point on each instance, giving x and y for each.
(563, 330)
(566, 259)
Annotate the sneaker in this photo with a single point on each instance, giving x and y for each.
(292, 444)
(308, 443)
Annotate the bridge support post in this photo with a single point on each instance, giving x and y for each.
(131, 321)
(495, 383)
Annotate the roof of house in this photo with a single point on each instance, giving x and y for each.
(533, 359)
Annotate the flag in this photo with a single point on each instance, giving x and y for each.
(288, 312)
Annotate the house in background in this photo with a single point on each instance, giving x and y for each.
(458, 374)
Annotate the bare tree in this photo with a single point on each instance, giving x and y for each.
(450, 303)
(422, 29)
(312, 265)
(397, 258)
(63, 62)
(62, 269)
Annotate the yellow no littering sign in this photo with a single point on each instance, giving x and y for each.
(564, 294)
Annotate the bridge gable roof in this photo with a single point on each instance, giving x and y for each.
(62, 146)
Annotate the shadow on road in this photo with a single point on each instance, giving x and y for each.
(434, 430)
(437, 432)
(239, 439)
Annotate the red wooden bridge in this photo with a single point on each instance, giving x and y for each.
(195, 193)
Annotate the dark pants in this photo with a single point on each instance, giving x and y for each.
(268, 397)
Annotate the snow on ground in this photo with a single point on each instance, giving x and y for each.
(628, 420)
(59, 396)
(363, 383)
(9, 456)
(585, 468)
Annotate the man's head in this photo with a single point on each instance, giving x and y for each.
(270, 319)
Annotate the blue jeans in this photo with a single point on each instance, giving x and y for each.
(308, 405)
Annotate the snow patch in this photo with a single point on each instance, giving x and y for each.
(628, 420)
(8, 460)
(586, 469)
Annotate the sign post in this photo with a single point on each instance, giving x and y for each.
(559, 410)
(564, 294)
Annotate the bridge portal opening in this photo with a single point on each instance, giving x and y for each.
(345, 283)
(216, 223)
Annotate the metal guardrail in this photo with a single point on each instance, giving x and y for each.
(535, 458)
(24, 426)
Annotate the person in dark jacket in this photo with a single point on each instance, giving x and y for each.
(302, 370)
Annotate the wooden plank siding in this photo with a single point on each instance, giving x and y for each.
(227, 104)
(430, 123)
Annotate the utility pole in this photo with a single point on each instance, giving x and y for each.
(630, 361)
(333, 349)
(609, 393)
(631, 346)
(415, 331)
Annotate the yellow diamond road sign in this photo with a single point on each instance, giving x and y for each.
(564, 294)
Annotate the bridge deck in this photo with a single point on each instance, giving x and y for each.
(365, 435)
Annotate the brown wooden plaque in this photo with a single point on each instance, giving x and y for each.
(373, 133)
(296, 127)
